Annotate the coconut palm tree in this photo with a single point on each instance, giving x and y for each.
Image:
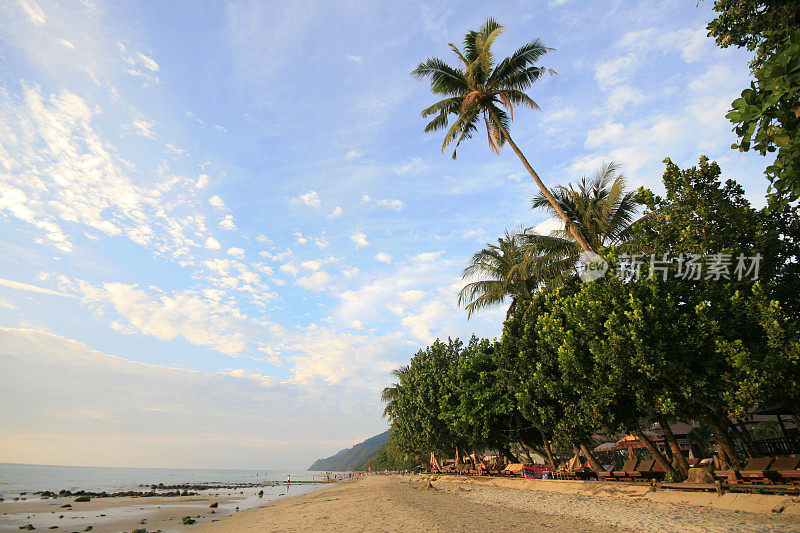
(482, 88)
(600, 207)
(525, 261)
(495, 265)
(390, 394)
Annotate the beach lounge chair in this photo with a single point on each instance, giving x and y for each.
(643, 471)
(755, 470)
(731, 476)
(628, 466)
(606, 475)
(513, 469)
(785, 469)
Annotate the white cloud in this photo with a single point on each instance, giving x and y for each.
(172, 150)
(300, 238)
(261, 379)
(416, 165)
(394, 203)
(420, 323)
(227, 223)
(140, 65)
(383, 257)
(277, 256)
(350, 272)
(352, 154)
(337, 212)
(236, 252)
(311, 199)
(141, 127)
(56, 173)
(198, 320)
(608, 133)
(246, 414)
(354, 58)
(311, 265)
(615, 71)
(290, 268)
(365, 198)
(34, 12)
(548, 226)
(19, 286)
(428, 256)
(469, 234)
(360, 239)
(315, 282)
(621, 96)
(213, 244)
(217, 203)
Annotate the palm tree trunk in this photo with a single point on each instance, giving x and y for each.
(567, 223)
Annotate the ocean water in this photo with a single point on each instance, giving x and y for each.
(16, 478)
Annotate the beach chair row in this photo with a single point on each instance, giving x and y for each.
(634, 470)
(764, 470)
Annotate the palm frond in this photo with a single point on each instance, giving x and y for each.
(444, 78)
(520, 60)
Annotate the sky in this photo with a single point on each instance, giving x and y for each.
(222, 225)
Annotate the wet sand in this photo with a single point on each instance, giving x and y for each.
(117, 514)
(406, 504)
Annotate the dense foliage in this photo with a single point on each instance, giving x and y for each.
(767, 115)
(621, 353)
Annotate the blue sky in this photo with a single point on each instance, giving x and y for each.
(222, 223)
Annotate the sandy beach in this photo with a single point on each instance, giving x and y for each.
(400, 504)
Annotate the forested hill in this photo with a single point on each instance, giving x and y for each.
(352, 458)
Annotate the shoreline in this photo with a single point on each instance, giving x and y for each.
(431, 503)
(130, 510)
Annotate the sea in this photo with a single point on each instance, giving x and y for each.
(16, 478)
(20, 482)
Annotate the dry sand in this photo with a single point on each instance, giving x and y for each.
(406, 504)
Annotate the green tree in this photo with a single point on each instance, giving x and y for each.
(736, 336)
(766, 115)
(482, 88)
(417, 423)
(767, 118)
(478, 406)
(761, 26)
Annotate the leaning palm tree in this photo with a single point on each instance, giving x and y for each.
(481, 88)
(495, 265)
(525, 261)
(390, 394)
(599, 206)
